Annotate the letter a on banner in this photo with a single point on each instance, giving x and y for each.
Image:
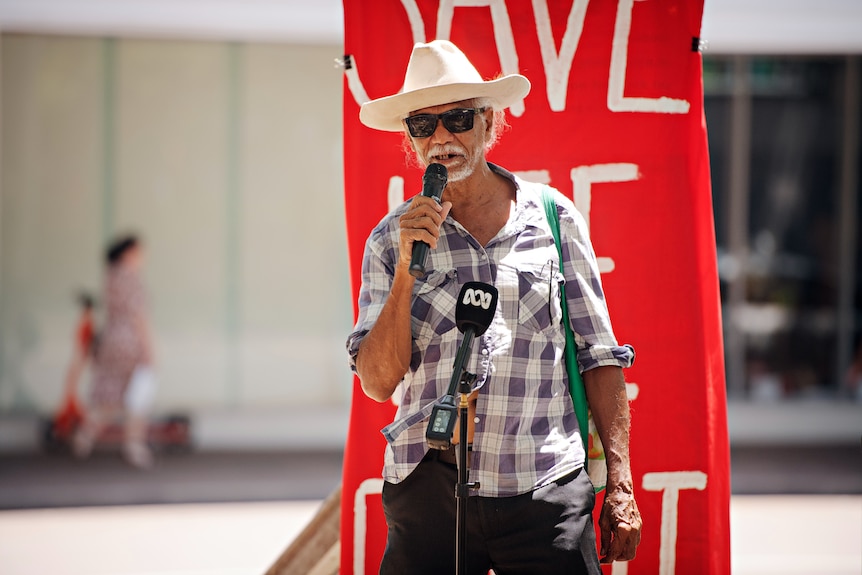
(615, 121)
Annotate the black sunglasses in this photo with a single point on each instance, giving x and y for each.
(456, 121)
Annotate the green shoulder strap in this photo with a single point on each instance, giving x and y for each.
(576, 384)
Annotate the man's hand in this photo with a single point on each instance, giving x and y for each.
(620, 524)
(421, 222)
(620, 521)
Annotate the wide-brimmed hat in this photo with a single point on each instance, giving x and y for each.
(439, 73)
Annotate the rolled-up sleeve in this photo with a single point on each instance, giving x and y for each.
(588, 310)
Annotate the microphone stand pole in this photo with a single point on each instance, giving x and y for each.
(465, 381)
(440, 439)
(463, 487)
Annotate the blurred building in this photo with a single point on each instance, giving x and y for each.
(213, 129)
(216, 136)
(782, 101)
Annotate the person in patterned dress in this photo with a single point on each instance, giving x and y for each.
(123, 382)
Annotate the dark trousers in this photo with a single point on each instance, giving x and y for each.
(548, 531)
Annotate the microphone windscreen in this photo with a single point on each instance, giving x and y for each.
(434, 180)
(476, 305)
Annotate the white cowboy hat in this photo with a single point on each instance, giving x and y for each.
(439, 73)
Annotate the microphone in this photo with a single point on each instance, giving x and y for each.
(433, 183)
(474, 313)
(475, 308)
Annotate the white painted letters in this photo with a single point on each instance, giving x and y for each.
(617, 102)
(368, 487)
(503, 36)
(557, 66)
(354, 83)
(671, 483)
(395, 194)
(582, 179)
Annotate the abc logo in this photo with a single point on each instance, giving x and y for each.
(477, 298)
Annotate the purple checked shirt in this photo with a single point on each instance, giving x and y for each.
(526, 431)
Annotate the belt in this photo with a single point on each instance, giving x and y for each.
(450, 456)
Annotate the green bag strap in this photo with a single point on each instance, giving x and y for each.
(576, 383)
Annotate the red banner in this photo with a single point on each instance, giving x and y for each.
(615, 120)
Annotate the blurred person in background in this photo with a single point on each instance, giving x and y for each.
(70, 414)
(123, 380)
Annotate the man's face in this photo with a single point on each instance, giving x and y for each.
(461, 152)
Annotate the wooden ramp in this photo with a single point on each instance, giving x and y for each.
(317, 549)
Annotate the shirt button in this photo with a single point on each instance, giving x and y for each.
(484, 351)
(475, 420)
(483, 257)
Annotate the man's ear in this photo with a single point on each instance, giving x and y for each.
(489, 122)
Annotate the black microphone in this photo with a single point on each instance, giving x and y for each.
(474, 313)
(433, 183)
(475, 308)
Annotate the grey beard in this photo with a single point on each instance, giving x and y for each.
(460, 174)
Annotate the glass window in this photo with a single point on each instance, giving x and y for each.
(790, 272)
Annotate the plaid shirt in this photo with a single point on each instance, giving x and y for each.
(526, 431)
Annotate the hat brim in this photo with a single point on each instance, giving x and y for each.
(386, 113)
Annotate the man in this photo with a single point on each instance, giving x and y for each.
(532, 510)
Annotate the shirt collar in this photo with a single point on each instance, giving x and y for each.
(525, 214)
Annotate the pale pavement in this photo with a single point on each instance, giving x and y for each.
(233, 513)
(767, 537)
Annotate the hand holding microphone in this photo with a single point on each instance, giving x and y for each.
(419, 218)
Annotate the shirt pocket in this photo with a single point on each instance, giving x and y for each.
(539, 306)
(433, 309)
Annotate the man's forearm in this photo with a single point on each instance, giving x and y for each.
(606, 394)
(384, 354)
(620, 521)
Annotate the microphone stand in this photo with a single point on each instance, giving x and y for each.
(465, 381)
(463, 487)
(439, 436)
(473, 315)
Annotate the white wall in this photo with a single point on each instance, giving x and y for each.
(226, 158)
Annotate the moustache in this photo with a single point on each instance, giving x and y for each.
(447, 150)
